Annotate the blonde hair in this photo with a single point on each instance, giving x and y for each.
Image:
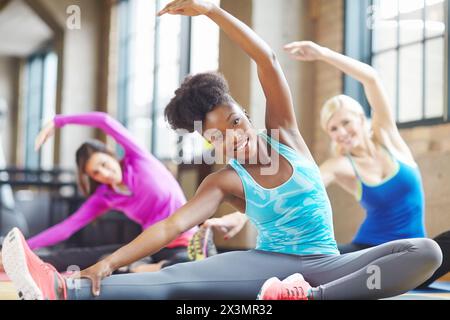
(337, 103)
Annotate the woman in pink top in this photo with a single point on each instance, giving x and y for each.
(138, 185)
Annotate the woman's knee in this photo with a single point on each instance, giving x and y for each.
(429, 251)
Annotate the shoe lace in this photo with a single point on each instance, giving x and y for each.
(295, 292)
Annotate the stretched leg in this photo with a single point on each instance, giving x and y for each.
(443, 240)
(238, 275)
(233, 275)
(384, 271)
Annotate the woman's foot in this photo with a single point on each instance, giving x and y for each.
(293, 287)
(201, 245)
(33, 278)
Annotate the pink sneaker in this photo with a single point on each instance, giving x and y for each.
(33, 278)
(293, 287)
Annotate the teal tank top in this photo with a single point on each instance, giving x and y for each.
(295, 217)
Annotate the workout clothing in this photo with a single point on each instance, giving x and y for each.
(374, 273)
(155, 194)
(295, 217)
(394, 208)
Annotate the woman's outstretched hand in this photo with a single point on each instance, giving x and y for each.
(187, 7)
(305, 50)
(96, 274)
(47, 132)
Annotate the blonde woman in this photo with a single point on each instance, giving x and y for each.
(371, 161)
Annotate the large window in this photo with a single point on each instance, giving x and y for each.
(39, 102)
(136, 67)
(155, 54)
(405, 40)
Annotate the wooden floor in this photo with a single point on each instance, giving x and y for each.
(7, 291)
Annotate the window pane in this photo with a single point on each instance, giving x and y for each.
(386, 9)
(410, 83)
(141, 62)
(48, 104)
(385, 27)
(435, 78)
(136, 61)
(204, 45)
(166, 140)
(141, 129)
(144, 55)
(33, 109)
(386, 65)
(435, 23)
(168, 80)
(124, 28)
(411, 20)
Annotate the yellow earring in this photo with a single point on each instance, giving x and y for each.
(207, 145)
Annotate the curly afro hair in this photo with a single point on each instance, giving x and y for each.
(197, 96)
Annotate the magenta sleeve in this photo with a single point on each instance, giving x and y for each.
(107, 124)
(91, 209)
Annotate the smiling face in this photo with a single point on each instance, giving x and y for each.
(104, 169)
(229, 130)
(346, 129)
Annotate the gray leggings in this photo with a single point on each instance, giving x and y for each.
(401, 266)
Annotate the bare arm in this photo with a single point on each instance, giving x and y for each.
(383, 121)
(338, 170)
(327, 172)
(373, 87)
(201, 207)
(279, 109)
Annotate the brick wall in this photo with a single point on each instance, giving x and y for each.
(328, 17)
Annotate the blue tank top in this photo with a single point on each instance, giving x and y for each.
(394, 208)
(295, 217)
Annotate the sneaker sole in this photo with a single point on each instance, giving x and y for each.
(264, 288)
(15, 264)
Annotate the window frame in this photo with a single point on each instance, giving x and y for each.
(358, 45)
(125, 51)
(33, 159)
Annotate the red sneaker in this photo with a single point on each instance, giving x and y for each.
(292, 288)
(33, 278)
